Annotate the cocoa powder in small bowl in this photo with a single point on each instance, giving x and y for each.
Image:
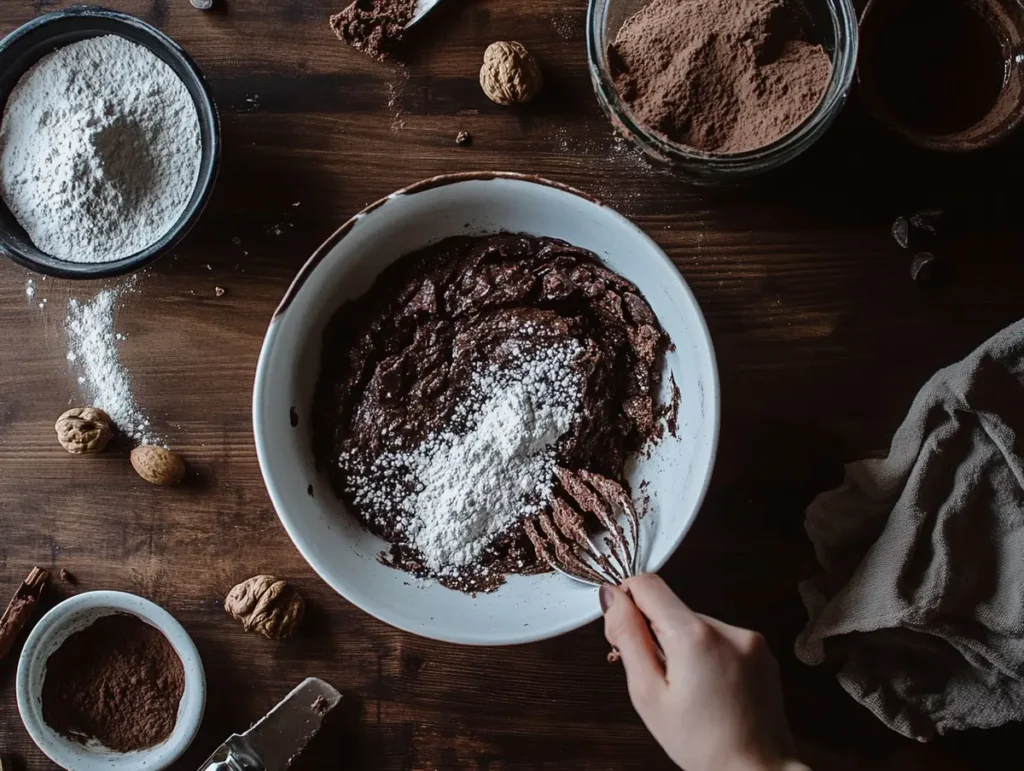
(117, 682)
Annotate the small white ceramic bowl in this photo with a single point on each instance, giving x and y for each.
(526, 608)
(74, 615)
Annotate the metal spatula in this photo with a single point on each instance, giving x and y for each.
(277, 739)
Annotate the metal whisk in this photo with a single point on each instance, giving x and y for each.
(562, 541)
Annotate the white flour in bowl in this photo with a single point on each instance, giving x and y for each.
(99, 150)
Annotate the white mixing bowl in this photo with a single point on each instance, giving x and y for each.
(526, 608)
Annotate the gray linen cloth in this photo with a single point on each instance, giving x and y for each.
(920, 598)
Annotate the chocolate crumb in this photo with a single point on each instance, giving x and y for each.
(463, 139)
(320, 705)
(219, 291)
(672, 419)
(309, 490)
(66, 577)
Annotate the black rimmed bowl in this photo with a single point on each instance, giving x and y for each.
(20, 50)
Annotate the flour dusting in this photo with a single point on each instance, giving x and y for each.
(92, 349)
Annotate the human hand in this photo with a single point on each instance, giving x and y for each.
(715, 702)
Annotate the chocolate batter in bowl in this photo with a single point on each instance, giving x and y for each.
(669, 477)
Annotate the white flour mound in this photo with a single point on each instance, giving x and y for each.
(99, 150)
(92, 348)
(460, 490)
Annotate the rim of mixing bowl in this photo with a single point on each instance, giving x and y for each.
(716, 168)
(25, 46)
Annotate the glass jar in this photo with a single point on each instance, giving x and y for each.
(836, 23)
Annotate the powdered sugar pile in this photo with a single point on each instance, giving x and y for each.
(460, 490)
(92, 347)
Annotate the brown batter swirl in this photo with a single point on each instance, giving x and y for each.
(397, 360)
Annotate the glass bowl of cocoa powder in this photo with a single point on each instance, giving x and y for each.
(722, 90)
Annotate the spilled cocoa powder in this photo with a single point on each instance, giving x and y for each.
(375, 27)
(723, 76)
(118, 681)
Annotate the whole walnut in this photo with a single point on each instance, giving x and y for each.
(84, 430)
(266, 605)
(158, 465)
(510, 74)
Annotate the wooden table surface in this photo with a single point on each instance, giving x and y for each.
(822, 340)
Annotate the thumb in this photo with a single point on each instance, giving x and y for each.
(627, 630)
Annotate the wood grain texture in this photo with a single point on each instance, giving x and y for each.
(822, 341)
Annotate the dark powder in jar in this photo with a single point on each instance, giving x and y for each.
(375, 27)
(723, 76)
(118, 681)
(938, 65)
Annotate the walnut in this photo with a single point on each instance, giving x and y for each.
(510, 74)
(266, 605)
(158, 465)
(84, 430)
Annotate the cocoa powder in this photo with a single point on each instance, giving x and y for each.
(375, 27)
(118, 681)
(722, 76)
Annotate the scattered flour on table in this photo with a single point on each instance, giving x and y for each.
(461, 489)
(614, 162)
(99, 150)
(92, 349)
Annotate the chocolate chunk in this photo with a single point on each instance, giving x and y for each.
(925, 268)
(375, 27)
(639, 311)
(928, 220)
(901, 232)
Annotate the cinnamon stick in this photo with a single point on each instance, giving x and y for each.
(21, 609)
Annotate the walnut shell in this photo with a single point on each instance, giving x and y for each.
(158, 465)
(510, 75)
(84, 430)
(266, 605)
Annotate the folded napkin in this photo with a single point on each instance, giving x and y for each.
(920, 598)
